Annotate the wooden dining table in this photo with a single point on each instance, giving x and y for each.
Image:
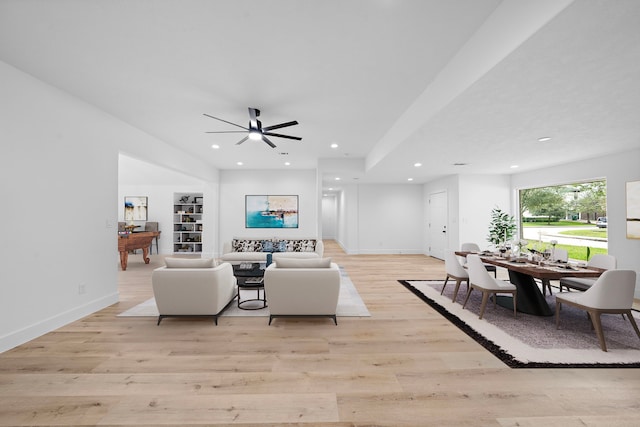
(523, 274)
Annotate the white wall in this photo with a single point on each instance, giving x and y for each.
(375, 218)
(236, 184)
(617, 169)
(58, 183)
(390, 219)
(329, 217)
(479, 194)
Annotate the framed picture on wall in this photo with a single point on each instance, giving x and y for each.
(271, 211)
(135, 208)
(633, 210)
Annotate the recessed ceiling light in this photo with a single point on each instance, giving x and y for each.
(287, 163)
(409, 179)
(330, 188)
(239, 163)
(215, 146)
(334, 145)
(544, 139)
(337, 178)
(514, 166)
(417, 164)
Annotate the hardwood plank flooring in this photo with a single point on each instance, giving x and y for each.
(403, 366)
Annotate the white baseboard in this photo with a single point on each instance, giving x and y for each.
(44, 326)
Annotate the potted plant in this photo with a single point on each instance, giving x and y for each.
(501, 227)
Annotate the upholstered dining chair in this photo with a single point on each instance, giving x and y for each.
(455, 271)
(604, 261)
(152, 226)
(480, 279)
(473, 247)
(612, 293)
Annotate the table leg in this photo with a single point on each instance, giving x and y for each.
(124, 258)
(530, 299)
(145, 255)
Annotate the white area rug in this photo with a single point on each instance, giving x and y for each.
(533, 341)
(350, 304)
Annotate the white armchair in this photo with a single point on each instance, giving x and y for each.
(185, 291)
(300, 288)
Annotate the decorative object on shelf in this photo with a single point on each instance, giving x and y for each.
(135, 208)
(501, 227)
(271, 211)
(633, 210)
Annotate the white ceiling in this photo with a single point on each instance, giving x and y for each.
(392, 82)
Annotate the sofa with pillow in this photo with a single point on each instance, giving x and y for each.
(302, 288)
(241, 250)
(193, 287)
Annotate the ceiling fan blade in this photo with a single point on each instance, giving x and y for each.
(253, 118)
(281, 125)
(265, 139)
(228, 131)
(279, 135)
(242, 140)
(222, 120)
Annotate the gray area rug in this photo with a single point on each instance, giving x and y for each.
(350, 304)
(533, 341)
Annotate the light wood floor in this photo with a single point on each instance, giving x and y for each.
(405, 365)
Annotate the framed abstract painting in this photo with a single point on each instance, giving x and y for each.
(135, 208)
(271, 211)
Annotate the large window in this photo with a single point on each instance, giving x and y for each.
(571, 216)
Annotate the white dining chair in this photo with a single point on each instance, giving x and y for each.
(454, 271)
(481, 280)
(612, 293)
(473, 247)
(561, 255)
(604, 261)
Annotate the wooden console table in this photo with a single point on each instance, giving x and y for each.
(129, 242)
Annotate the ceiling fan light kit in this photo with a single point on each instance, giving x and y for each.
(255, 130)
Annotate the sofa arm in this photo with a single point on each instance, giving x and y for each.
(320, 248)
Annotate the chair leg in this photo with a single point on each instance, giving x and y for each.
(467, 298)
(633, 323)
(445, 284)
(485, 299)
(597, 324)
(515, 305)
(455, 291)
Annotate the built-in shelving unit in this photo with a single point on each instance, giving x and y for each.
(187, 222)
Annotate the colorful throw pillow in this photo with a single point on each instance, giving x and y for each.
(267, 246)
(281, 246)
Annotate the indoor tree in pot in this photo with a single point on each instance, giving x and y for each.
(501, 227)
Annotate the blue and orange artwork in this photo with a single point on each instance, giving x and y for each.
(271, 211)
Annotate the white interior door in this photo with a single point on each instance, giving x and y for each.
(438, 237)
